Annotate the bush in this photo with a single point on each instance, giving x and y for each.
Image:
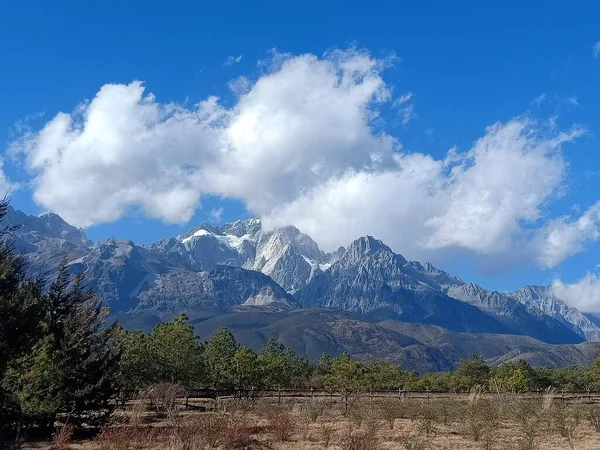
(237, 435)
(282, 425)
(414, 441)
(314, 408)
(593, 416)
(327, 432)
(62, 437)
(163, 398)
(426, 418)
(365, 440)
(390, 409)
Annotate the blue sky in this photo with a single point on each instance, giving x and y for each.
(446, 72)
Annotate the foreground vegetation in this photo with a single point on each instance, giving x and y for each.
(473, 421)
(62, 369)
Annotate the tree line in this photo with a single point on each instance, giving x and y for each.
(60, 361)
(170, 353)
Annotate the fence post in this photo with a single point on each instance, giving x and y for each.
(279, 396)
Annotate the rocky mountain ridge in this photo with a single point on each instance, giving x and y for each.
(242, 264)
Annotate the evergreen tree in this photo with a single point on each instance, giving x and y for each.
(219, 353)
(21, 313)
(246, 372)
(72, 369)
(176, 353)
(473, 371)
(280, 366)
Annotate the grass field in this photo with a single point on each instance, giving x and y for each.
(356, 423)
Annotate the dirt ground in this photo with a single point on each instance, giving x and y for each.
(364, 425)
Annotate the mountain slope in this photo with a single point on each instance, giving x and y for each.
(370, 279)
(543, 299)
(240, 263)
(413, 346)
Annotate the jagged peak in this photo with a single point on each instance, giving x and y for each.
(367, 244)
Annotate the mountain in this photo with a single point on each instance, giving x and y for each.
(371, 279)
(46, 239)
(543, 299)
(364, 298)
(414, 346)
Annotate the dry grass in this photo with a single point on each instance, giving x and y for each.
(474, 423)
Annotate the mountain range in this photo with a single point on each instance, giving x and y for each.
(364, 298)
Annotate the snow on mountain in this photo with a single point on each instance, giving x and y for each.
(241, 263)
(285, 254)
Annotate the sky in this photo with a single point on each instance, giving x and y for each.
(462, 133)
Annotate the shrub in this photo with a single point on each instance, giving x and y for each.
(237, 435)
(126, 438)
(414, 441)
(62, 437)
(358, 411)
(282, 425)
(566, 421)
(314, 408)
(211, 427)
(327, 432)
(593, 416)
(163, 397)
(426, 418)
(390, 409)
(364, 440)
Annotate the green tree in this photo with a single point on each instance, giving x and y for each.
(345, 374)
(219, 353)
(138, 366)
(473, 371)
(593, 372)
(246, 373)
(280, 366)
(177, 353)
(73, 367)
(21, 314)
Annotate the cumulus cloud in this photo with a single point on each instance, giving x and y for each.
(305, 121)
(300, 147)
(596, 49)
(584, 294)
(565, 236)
(478, 200)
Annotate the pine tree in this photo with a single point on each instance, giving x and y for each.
(71, 370)
(177, 354)
(21, 313)
(219, 353)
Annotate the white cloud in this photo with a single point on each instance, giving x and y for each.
(583, 294)
(406, 110)
(6, 186)
(573, 102)
(233, 60)
(404, 98)
(596, 49)
(307, 120)
(540, 99)
(565, 236)
(300, 147)
(479, 200)
(216, 214)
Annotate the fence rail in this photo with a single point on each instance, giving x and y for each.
(216, 394)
